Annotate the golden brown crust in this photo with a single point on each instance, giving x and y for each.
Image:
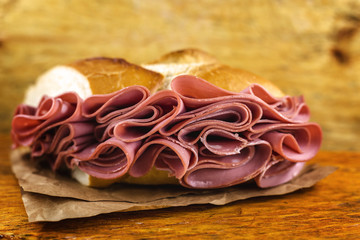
(205, 66)
(233, 79)
(107, 75)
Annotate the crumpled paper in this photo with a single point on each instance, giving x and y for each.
(48, 196)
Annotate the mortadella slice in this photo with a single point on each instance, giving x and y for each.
(104, 107)
(50, 112)
(278, 171)
(196, 92)
(165, 153)
(165, 105)
(293, 108)
(108, 160)
(295, 142)
(234, 116)
(219, 171)
(222, 142)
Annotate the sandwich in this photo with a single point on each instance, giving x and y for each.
(184, 118)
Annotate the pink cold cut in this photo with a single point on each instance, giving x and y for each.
(205, 136)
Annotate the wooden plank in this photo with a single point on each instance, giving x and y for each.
(306, 47)
(330, 209)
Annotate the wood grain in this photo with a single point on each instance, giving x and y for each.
(306, 47)
(331, 209)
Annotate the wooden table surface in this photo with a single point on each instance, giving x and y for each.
(329, 209)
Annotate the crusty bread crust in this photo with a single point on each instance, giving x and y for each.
(200, 64)
(104, 75)
(232, 79)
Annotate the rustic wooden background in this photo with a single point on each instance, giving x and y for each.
(306, 47)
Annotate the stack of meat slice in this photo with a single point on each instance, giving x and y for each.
(205, 136)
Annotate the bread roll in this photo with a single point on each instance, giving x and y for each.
(105, 75)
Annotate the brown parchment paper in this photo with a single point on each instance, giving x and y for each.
(52, 197)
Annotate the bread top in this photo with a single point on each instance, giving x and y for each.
(92, 76)
(104, 75)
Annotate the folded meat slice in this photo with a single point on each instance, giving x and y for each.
(219, 171)
(196, 92)
(234, 116)
(68, 138)
(296, 142)
(68, 132)
(57, 143)
(147, 118)
(278, 171)
(104, 107)
(108, 160)
(222, 142)
(41, 144)
(146, 115)
(291, 107)
(51, 112)
(164, 153)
